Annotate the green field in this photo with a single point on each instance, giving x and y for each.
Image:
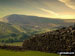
(24, 53)
(13, 44)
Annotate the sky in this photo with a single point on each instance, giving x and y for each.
(63, 9)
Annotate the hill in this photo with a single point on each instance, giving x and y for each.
(62, 39)
(25, 25)
(31, 25)
(34, 24)
(37, 21)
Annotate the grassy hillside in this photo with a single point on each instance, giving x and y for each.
(6, 28)
(8, 33)
(25, 53)
(16, 33)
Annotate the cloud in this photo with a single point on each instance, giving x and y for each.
(69, 3)
(48, 11)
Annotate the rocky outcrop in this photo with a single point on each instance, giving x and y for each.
(59, 40)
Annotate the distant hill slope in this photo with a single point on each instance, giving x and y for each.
(32, 24)
(8, 33)
(54, 41)
(6, 27)
(36, 21)
(23, 19)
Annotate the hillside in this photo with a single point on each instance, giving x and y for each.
(6, 29)
(33, 21)
(9, 34)
(32, 24)
(25, 25)
(62, 39)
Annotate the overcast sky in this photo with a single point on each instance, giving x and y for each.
(64, 9)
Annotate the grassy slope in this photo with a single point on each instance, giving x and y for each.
(7, 32)
(25, 53)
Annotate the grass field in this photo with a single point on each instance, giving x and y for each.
(24, 53)
(13, 44)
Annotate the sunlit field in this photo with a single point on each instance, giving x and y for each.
(24, 53)
(13, 44)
